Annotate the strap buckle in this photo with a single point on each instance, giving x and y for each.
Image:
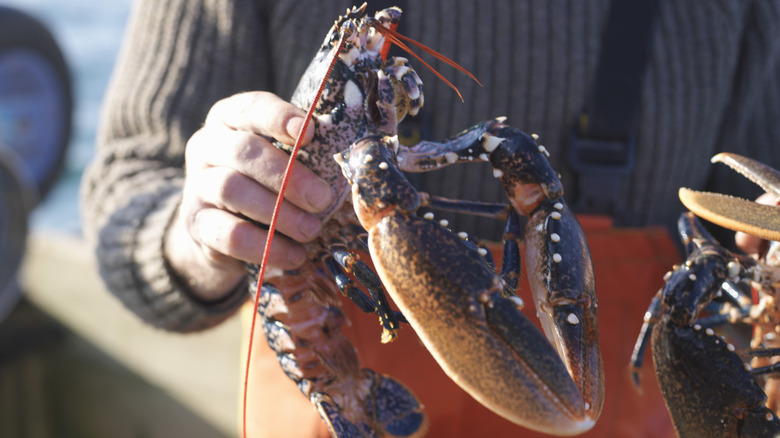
(600, 166)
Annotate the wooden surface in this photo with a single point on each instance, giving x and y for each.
(200, 372)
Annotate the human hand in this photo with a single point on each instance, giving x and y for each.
(234, 173)
(750, 244)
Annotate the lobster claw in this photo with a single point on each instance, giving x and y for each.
(456, 301)
(736, 213)
(560, 273)
(481, 340)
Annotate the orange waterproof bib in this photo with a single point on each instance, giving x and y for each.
(629, 266)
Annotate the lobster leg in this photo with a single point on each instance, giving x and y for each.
(368, 278)
(347, 287)
(652, 317)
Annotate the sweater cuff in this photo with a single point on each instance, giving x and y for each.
(133, 264)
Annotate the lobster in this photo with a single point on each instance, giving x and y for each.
(444, 284)
(712, 388)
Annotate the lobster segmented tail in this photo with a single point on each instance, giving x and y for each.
(302, 323)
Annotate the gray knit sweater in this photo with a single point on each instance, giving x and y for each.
(712, 85)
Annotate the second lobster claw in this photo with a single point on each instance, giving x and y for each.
(736, 213)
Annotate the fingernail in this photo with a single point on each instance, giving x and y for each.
(294, 127)
(319, 195)
(296, 256)
(309, 226)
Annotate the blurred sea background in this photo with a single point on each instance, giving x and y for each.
(89, 33)
(74, 363)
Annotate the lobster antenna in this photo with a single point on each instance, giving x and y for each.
(275, 217)
(396, 38)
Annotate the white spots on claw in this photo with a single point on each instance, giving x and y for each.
(498, 173)
(501, 119)
(368, 158)
(557, 258)
(709, 331)
(692, 277)
(383, 165)
(696, 327)
(555, 237)
(730, 347)
(482, 251)
(555, 215)
(490, 143)
(535, 136)
(483, 157)
(543, 150)
(572, 319)
(381, 204)
(668, 275)
(769, 416)
(517, 301)
(558, 206)
(748, 367)
(428, 216)
(451, 157)
(463, 235)
(444, 222)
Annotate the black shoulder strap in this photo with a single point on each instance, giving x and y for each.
(602, 148)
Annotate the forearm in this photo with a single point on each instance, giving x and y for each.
(163, 86)
(128, 228)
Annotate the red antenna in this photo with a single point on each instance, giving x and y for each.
(395, 38)
(275, 217)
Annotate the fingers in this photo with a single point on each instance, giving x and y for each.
(261, 113)
(256, 158)
(752, 245)
(224, 235)
(233, 176)
(221, 188)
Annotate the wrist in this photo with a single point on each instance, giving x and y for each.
(204, 279)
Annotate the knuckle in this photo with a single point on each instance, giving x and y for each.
(233, 236)
(225, 184)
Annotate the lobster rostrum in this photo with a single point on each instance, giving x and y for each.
(446, 286)
(710, 388)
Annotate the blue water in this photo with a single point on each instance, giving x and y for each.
(89, 33)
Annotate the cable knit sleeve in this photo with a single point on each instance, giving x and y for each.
(179, 57)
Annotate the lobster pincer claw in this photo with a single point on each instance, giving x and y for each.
(481, 340)
(736, 213)
(560, 273)
(455, 301)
